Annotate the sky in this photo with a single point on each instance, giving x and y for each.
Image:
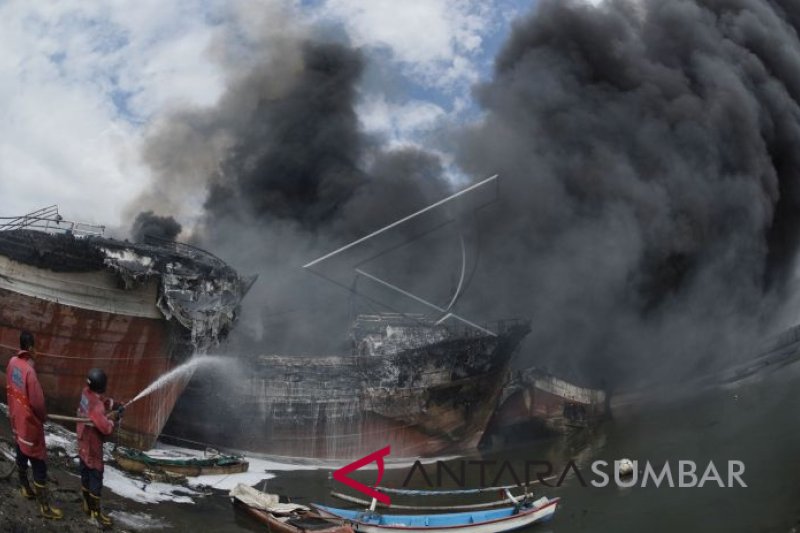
(82, 83)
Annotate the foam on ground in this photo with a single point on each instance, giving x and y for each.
(143, 491)
(138, 521)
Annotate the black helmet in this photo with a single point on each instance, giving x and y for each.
(25, 340)
(97, 380)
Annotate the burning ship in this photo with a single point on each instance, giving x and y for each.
(536, 404)
(136, 310)
(423, 388)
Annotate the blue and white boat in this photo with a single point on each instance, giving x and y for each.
(486, 521)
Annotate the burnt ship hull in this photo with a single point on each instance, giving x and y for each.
(133, 349)
(425, 400)
(534, 404)
(93, 302)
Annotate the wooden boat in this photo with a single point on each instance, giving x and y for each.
(283, 517)
(536, 404)
(137, 310)
(427, 388)
(484, 521)
(140, 463)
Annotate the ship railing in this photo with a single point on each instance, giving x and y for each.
(48, 220)
(429, 333)
(184, 249)
(374, 323)
(498, 327)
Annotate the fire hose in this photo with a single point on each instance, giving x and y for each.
(62, 418)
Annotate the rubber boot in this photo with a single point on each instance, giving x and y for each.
(85, 505)
(25, 487)
(102, 519)
(43, 498)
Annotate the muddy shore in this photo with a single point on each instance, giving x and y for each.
(21, 516)
(209, 509)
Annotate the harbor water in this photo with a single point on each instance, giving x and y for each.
(755, 421)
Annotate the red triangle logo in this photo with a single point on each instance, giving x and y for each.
(341, 474)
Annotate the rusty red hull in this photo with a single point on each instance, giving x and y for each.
(136, 310)
(431, 399)
(132, 350)
(535, 404)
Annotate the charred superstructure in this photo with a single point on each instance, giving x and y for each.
(134, 309)
(421, 387)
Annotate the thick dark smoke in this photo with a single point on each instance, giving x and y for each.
(648, 212)
(148, 224)
(652, 173)
(297, 156)
(300, 157)
(287, 175)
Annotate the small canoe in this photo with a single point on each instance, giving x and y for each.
(490, 521)
(140, 463)
(283, 517)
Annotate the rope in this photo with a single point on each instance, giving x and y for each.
(189, 441)
(77, 357)
(62, 418)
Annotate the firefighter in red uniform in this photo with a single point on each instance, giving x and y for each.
(102, 412)
(27, 412)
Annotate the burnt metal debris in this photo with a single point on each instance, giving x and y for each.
(134, 309)
(424, 388)
(196, 288)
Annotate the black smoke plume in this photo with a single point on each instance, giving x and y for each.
(648, 210)
(649, 151)
(148, 224)
(287, 175)
(297, 156)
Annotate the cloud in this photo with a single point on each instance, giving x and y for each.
(84, 83)
(396, 122)
(441, 44)
(431, 39)
(77, 80)
(426, 55)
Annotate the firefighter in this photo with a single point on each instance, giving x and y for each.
(102, 412)
(27, 412)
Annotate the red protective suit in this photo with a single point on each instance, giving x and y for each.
(26, 406)
(90, 439)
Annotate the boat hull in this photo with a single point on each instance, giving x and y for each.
(122, 335)
(535, 404)
(425, 401)
(524, 518)
(276, 525)
(135, 466)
